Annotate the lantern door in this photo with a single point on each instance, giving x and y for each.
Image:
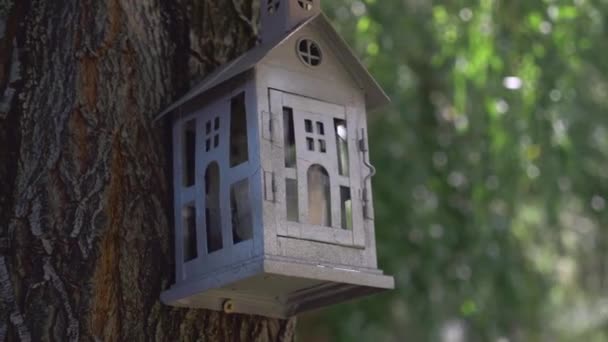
(317, 170)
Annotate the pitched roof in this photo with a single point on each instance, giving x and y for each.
(374, 95)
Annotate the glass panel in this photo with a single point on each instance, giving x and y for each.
(242, 223)
(346, 208)
(319, 198)
(289, 138)
(189, 231)
(342, 146)
(239, 151)
(291, 194)
(189, 153)
(213, 220)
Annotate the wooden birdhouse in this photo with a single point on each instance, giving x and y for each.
(272, 190)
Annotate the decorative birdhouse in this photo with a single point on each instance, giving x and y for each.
(272, 191)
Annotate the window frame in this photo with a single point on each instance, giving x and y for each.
(307, 55)
(308, 108)
(231, 253)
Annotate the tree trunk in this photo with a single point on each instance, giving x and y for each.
(86, 233)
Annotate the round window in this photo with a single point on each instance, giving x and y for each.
(305, 4)
(309, 52)
(273, 6)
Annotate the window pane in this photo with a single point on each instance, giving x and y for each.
(289, 138)
(346, 208)
(213, 221)
(189, 153)
(310, 143)
(342, 146)
(239, 152)
(189, 231)
(242, 223)
(322, 146)
(308, 126)
(291, 194)
(320, 128)
(319, 198)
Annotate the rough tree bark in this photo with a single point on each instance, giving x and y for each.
(85, 221)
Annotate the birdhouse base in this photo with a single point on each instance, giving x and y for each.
(276, 288)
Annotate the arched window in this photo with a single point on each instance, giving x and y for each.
(305, 4)
(309, 52)
(319, 196)
(213, 213)
(273, 6)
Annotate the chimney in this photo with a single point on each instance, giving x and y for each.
(280, 16)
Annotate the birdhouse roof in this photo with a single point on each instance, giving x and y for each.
(374, 94)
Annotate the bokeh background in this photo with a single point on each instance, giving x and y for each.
(492, 166)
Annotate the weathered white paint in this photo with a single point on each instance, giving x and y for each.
(288, 267)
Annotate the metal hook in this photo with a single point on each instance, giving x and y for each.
(363, 148)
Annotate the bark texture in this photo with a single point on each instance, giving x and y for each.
(86, 241)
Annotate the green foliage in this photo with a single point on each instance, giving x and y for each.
(492, 170)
